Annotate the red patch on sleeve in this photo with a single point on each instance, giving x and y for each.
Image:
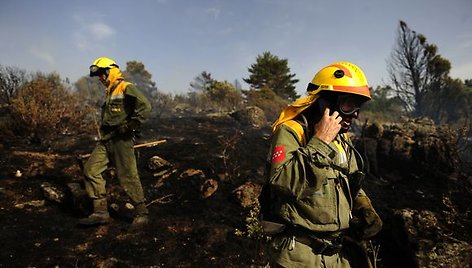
(279, 154)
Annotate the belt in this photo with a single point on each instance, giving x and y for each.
(322, 246)
(328, 243)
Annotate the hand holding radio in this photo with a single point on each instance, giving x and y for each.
(329, 126)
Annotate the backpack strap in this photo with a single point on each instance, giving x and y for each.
(298, 129)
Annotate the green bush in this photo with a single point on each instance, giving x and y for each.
(267, 100)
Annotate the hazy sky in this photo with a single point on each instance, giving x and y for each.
(177, 40)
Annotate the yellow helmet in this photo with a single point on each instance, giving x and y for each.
(344, 77)
(100, 65)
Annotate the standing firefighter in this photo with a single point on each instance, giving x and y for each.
(124, 110)
(313, 204)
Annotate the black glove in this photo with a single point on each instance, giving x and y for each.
(129, 127)
(365, 224)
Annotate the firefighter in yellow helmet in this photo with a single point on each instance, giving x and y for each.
(313, 204)
(124, 109)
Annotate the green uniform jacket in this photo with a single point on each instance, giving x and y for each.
(124, 102)
(307, 181)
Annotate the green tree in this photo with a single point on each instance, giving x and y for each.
(271, 72)
(451, 103)
(267, 100)
(225, 95)
(202, 82)
(468, 83)
(384, 106)
(416, 69)
(206, 93)
(137, 74)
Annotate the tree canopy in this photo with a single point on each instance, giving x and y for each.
(415, 69)
(271, 72)
(202, 82)
(421, 81)
(137, 74)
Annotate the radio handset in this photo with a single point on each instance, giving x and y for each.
(323, 104)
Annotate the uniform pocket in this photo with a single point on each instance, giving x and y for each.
(115, 112)
(317, 179)
(320, 206)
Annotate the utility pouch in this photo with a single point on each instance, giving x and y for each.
(356, 180)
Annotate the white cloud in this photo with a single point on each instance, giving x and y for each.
(91, 31)
(100, 30)
(42, 54)
(214, 12)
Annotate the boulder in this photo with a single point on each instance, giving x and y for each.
(52, 193)
(251, 116)
(421, 237)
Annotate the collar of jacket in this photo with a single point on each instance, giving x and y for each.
(114, 78)
(294, 109)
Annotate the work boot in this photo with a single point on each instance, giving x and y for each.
(141, 217)
(100, 215)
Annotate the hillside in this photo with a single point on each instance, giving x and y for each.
(200, 190)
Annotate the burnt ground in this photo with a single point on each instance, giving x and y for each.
(186, 230)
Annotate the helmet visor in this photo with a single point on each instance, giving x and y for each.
(349, 104)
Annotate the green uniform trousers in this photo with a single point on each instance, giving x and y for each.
(121, 152)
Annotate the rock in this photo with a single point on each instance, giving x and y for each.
(415, 140)
(52, 193)
(156, 163)
(251, 116)
(109, 263)
(33, 203)
(161, 168)
(247, 194)
(123, 211)
(374, 130)
(191, 183)
(421, 237)
(192, 173)
(208, 188)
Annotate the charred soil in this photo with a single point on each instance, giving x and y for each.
(188, 229)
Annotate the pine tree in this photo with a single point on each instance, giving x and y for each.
(271, 72)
